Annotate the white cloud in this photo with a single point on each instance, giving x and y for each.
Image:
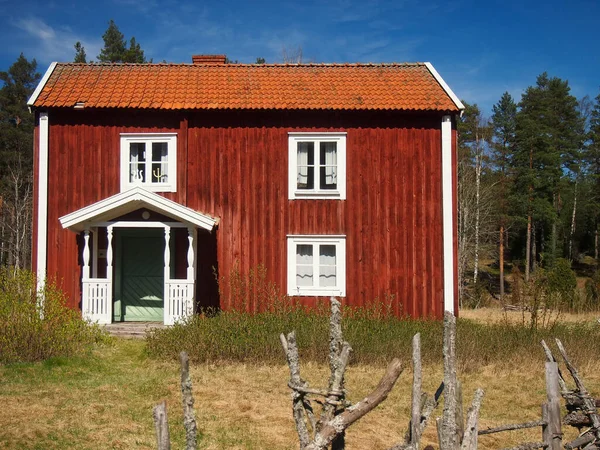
(54, 44)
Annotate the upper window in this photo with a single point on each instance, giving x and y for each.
(149, 160)
(317, 165)
(317, 265)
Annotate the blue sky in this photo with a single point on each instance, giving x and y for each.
(481, 48)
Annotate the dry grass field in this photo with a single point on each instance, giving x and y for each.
(104, 401)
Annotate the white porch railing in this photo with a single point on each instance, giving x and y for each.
(179, 301)
(97, 300)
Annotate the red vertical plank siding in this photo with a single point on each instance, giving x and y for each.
(234, 166)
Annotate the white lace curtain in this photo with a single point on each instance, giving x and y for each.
(136, 155)
(303, 149)
(330, 150)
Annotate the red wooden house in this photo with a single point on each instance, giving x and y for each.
(338, 178)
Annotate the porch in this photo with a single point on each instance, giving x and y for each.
(138, 255)
(133, 284)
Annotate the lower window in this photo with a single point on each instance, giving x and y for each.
(317, 265)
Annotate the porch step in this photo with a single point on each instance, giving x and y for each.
(131, 330)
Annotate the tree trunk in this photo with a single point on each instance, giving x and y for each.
(477, 214)
(529, 220)
(533, 248)
(501, 263)
(528, 249)
(596, 244)
(573, 216)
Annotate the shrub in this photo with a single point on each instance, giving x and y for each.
(561, 284)
(592, 291)
(34, 325)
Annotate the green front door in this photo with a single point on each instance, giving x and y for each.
(140, 288)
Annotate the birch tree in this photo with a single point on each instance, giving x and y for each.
(16, 162)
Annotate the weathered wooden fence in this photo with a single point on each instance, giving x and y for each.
(318, 432)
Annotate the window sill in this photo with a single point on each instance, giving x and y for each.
(151, 187)
(317, 293)
(303, 195)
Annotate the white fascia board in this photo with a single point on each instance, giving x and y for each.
(136, 198)
(41, 85)
(446, 88)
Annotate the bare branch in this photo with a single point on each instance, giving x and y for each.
(355, 412)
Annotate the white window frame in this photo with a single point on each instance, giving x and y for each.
(293, 139)
(339, 241)
(148, 139)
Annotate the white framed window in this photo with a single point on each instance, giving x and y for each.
(316, 265)
(317, 165)
(149, 160)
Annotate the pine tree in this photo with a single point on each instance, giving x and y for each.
(114, 44)
(549, 133)
(80, 56)
(592, 159)
(134, 54)
(503, 146)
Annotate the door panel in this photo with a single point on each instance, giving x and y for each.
(142, 280)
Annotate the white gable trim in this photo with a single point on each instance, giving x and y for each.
(41, 85)
(131, 200)
(446, 88)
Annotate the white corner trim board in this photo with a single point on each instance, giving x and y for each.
(41, 85)
(446, 88)
(42, 222)
(447, 214)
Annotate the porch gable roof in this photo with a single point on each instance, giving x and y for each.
(130, 200)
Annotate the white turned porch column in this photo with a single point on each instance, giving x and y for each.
(95, 252)
(191, 255)
(167, 304)
(109, 254)
(86, 254)
(167, 253)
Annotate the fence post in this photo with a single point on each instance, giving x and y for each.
(552, 432)
(161, 425)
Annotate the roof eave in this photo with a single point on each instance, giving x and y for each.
(445, 87)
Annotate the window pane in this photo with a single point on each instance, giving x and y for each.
(328, 165)
(137, 162)
(160, 161)
(304, 254)
(306, 163)
(327, 266)
(304, 265)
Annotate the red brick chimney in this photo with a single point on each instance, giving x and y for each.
(209, 59)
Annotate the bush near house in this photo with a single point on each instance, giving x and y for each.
(34, 330)
(239, 337)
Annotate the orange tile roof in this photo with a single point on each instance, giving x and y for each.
(246, 86)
